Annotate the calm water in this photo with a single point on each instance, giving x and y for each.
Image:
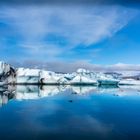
(70, 113)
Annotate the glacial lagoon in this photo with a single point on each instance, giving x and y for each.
(70, 112)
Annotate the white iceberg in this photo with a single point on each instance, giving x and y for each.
(78, 79)
(7, 74)
(82, 77)
(129, 82)
(27, 76)
(104, 79)
(48, 77)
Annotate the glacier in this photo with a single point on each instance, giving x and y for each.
(11, 75)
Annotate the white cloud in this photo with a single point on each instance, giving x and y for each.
(62, 66)
(69, 25)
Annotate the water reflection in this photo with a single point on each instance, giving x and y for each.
(28, 92)
(6, 93)
(70, 113)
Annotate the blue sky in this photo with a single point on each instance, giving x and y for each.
(82, 35)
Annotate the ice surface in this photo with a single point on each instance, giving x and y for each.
(27, 72)
(82, 80)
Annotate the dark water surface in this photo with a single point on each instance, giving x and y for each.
(70, 113)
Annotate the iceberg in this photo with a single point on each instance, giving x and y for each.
(27, 76)
(10, 75)
(129, 82)
(83, 77)
(48, 77)
(104, 79)
(78, 79)
(7, 74)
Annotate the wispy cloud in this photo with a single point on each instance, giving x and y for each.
(52, 30)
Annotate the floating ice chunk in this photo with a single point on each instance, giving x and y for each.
(47, 77)
(104, 79)
(129, 82)
(28, 76)
(7, 73)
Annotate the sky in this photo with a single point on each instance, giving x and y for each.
(65, 35)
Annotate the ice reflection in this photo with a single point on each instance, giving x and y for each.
(28, 92)
(6, 93)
